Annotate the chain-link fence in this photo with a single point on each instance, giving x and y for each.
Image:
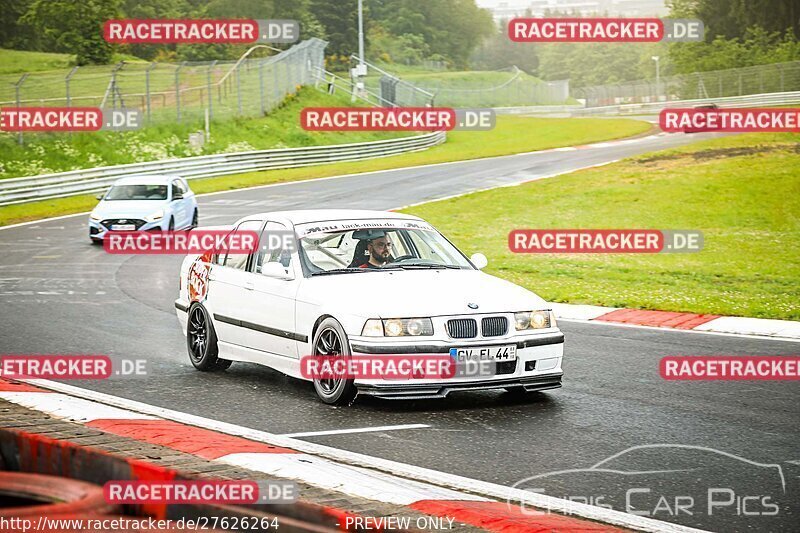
(773, 78)
(511, 87)
(174, 92)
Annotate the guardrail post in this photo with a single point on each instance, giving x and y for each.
(150, 67)
(17, 87)
(178, 88)
(210, 92)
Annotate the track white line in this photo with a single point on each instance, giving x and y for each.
(411, 472)
(355, 430)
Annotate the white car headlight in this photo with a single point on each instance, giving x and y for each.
(534, 320)
(95, 217)
(398, 327)
(158, 215)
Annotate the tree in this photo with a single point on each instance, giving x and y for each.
(74, 27)
(340, 20)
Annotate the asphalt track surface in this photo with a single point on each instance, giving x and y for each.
(62, 295)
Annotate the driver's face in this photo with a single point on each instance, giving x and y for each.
(380, 250)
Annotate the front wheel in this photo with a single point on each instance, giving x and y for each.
(331, 340)
(201, 341)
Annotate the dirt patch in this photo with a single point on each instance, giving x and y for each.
(719, 153)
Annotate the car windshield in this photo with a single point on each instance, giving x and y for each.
(137, 192)
(329, 248)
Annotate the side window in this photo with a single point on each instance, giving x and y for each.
(240, 260)
(182, 186)
(273, 246)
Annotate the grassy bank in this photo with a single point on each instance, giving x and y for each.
(47, 153)
(512, 135)
(743, 192)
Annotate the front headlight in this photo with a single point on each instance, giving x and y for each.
(397, 327)
(95, 218)
(158, 215)
(534, 320)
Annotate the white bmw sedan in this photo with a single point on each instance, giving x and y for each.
(351, 283)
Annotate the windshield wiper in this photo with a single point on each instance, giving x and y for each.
(429, 265)
(339, 271)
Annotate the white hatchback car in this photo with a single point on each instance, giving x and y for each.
(349, 282)
(144, 203)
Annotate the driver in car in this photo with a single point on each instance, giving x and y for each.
(379, 250)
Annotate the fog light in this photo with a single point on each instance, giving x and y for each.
(530, 365)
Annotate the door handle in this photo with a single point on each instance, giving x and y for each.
(249, 285)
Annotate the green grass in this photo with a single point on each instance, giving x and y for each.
(19, 61)
(512, 135)
(47, 153)
(743, 192)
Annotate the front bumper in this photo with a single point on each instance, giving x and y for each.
(537, 365)
(412, 391)
(98, 232)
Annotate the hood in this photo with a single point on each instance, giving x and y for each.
(417, 293)
(128, 208)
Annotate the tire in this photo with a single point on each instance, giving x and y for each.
(195, 220)
(96, 241)
(171, 226)
(201, 341)
(47, 495)
(330, 339)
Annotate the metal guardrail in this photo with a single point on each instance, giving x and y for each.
(75, 182)
(760, 100)
(752, 100)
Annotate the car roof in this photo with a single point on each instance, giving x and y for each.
(304, 216)
(153, 179)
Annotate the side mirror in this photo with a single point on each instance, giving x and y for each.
(276, 270)
(479, 261)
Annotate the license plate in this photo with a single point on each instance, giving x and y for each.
(123, 227)
(485, 353)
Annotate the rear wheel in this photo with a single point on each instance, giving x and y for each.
(171, 226)
(201, 341)
(194, 219)
(331, 340)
